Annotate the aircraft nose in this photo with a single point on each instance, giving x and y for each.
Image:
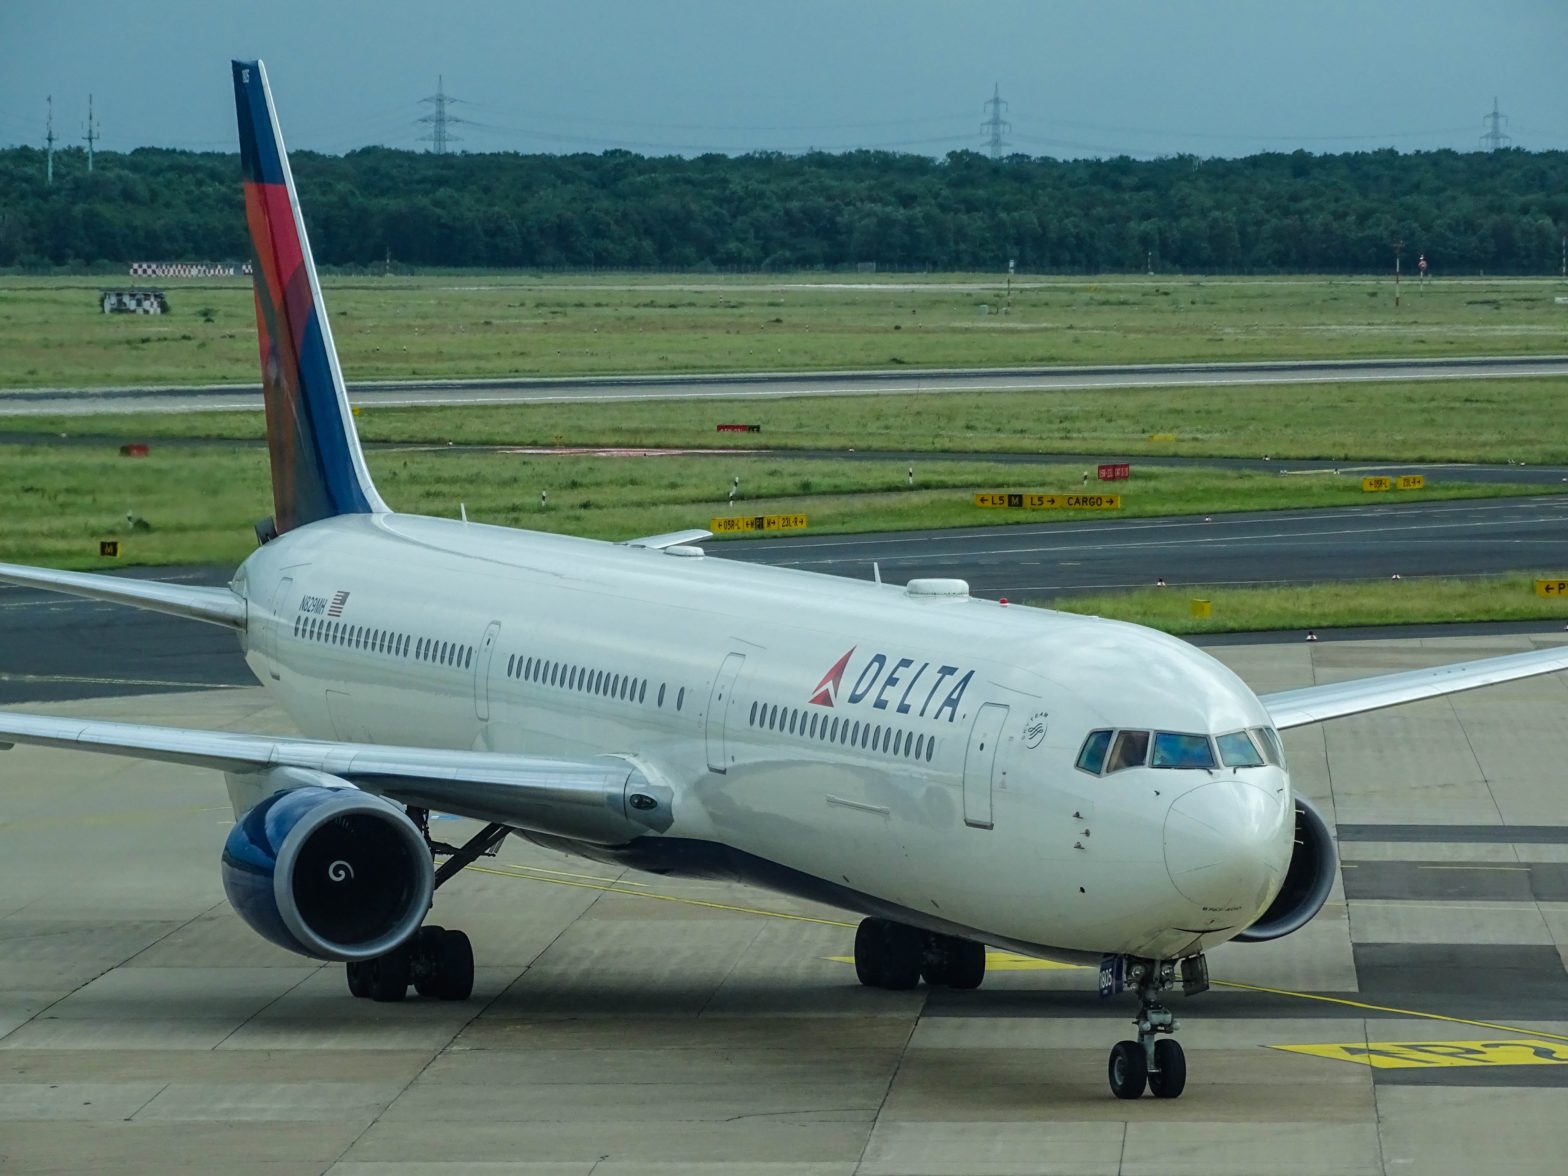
(1227, 845)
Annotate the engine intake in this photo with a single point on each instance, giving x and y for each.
(330, 872)
(1308, 879)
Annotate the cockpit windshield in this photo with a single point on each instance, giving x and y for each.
(1104, 752)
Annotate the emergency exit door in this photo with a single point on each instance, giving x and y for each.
(980, 764)
(719, 708)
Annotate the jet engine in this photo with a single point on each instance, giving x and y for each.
(1308, 879)
(329, 871)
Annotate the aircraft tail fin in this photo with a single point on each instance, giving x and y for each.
(318, 468)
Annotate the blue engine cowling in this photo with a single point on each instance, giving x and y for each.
(330, 872)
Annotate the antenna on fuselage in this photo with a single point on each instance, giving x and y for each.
(876, 572)
(462, 509)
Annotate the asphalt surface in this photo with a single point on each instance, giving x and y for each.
(54, 647)
(54, 401)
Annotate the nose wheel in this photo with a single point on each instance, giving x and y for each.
(1155, 1061)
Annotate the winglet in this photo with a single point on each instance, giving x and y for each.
(318, 469)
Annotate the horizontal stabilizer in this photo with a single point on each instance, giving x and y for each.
(1314, 704)
(218, 606)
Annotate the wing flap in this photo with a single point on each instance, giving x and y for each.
(219, 606)
(1315, 704)
(581, 799)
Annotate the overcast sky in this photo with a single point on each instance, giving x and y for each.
(1087, 77)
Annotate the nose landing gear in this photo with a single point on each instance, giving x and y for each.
(1155, 1061)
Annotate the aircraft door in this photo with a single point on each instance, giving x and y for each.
(980, 762)
(718, 711)
(280, 600)
(482, 672)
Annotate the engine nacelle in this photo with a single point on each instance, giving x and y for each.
(330, 872)
(1308, 879)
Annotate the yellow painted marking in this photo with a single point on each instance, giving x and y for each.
(1415, 1055)
(1551, 587)
(1162, 436)
(1472, 867)
(1373, 485)
(999, 961)
(1375, 1008)
(532, 870)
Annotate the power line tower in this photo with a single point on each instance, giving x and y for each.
(94, 132)
(49, 136)
(995, 126)
(1494, 138)
(439, 119)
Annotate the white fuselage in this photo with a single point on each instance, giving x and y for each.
(932, 782)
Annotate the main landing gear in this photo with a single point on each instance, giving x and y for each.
(438, 963)
(893, 955)
(1155, 1061)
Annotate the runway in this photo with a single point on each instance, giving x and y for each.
(55, 647)
(626, 1024)
(528, 390)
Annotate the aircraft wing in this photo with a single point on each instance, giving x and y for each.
(219, 606)
(589, 800)
(1314, 704)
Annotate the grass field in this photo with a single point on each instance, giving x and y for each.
(200, 501)
(1438, 420)
(52, 334)
(1337, 605)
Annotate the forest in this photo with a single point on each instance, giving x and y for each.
(1502, 212)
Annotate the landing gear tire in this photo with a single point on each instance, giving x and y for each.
(443, 964)
(1169, 1076)
(888, 954)
(358, 978)
(389, 975)
(952, 962)
(1128, 1071)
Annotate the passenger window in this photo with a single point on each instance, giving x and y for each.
(1273, 750)
(753, 714)
(661, 694)
(680, 698)
(1182, 751)
(1091, 758)
(1237, 751)
(1129, 751)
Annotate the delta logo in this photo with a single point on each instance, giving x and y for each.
(895, 688)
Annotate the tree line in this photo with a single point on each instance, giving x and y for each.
(1502, 212)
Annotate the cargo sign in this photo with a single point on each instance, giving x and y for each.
(1403, 482)
(1115, 472)
(790, 522)
(1051, 501)
(1415, 1055)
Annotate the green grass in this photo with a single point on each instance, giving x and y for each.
(201, 500)
(52, 334)
(1336, 604)
(1438, 420)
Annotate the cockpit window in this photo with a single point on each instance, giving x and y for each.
(1268, 739)
(1182, 751)
(1092, 758)
(1237, 751)
(1129, 751)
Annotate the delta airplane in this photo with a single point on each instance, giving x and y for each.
(957, 771)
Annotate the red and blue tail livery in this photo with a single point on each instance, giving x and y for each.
(318, 470)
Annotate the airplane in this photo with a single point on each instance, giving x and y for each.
(957, 771)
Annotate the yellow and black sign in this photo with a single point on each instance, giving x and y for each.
(789, 522)
(109, 549)
(1051, 501)
(1551, 587)
(1403, 482)
(1414, 1055)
